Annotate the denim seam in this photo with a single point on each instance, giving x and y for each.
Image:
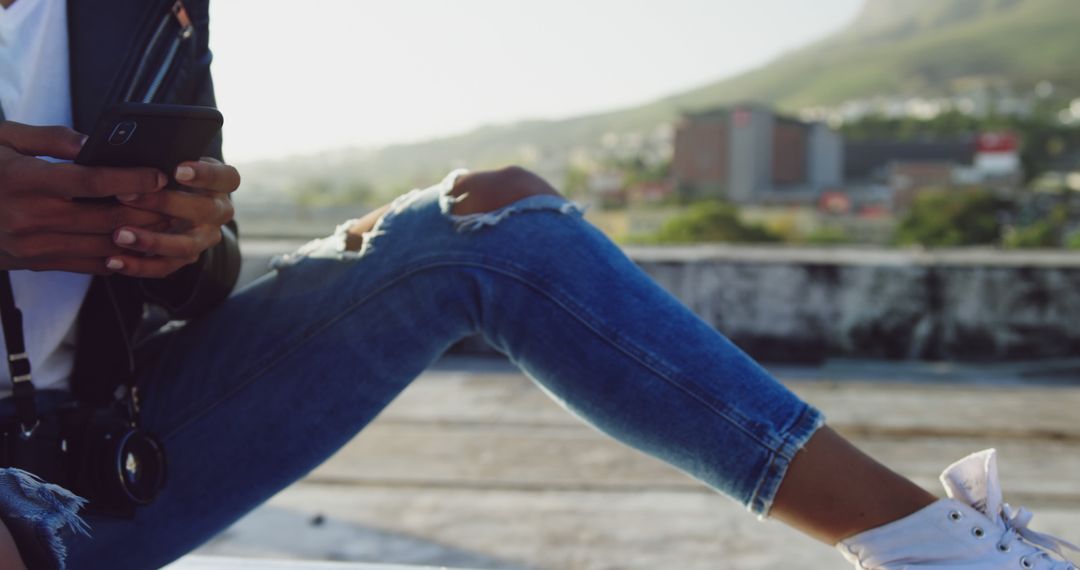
(668, 373)
(647, 359)
(313, 331)
(644, 357)
(385, 222)
(798, 433)
(285, 262)
(781, 450)
(302, 338)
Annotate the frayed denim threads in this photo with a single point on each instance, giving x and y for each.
(39, 515)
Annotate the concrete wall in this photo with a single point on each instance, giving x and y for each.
(784, 304)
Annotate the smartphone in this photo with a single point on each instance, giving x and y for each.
(149, 134)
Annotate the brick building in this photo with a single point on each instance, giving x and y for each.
(748, 154)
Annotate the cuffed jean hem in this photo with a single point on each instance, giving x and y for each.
(804, 428)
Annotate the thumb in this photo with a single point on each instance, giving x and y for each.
(57, 142)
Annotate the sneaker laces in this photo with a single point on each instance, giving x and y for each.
(1016, 529)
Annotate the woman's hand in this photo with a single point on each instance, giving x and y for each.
(42, 227)
(197, 214)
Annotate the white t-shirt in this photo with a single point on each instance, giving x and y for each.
(35, 89)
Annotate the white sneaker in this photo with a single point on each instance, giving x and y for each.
(971, 530)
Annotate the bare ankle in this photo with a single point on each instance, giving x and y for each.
(833, 491)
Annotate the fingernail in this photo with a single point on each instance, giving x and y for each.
(128, 197)
(162, 180)
(125, 237)
(82, 140)
(114, 264)
(185, 173)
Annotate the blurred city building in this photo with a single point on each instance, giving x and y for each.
(907, 168)
(750, 155)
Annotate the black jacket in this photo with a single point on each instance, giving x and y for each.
(120, 49)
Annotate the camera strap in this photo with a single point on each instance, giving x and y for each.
(22, 385)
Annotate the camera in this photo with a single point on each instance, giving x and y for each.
(114, 465)
(95, 453)
(122, 132)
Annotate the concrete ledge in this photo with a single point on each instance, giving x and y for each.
(784, 304)
(955, 257)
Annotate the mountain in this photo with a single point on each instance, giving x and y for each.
(917, 47)
(893, 47)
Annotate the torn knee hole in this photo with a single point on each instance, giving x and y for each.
(485, 192)
(361, 231)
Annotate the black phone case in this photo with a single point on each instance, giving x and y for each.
(163, 136)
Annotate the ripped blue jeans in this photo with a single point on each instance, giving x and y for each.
(254, 396)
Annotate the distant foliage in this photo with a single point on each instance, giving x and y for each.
(1041, 234)
(713, 222)
(576, 181)
(638, 171)
(828, 236)
(952, 218)
(1073, 241)
(1048, 232)
(327, 193)
(949, 124)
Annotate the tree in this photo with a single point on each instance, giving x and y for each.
(950, 218)
(712, 222)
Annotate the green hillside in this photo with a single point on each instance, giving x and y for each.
(894, 47)
(918, 47)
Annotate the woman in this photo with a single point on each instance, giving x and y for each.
(345, 323)
(263, 386)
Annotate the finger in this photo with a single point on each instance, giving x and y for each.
(208, 174)
(78, 181)
(162, 226)
(187, 245)
(212, 208)
(57, 142)
(76, 218)
(148, 267)
(44, 247)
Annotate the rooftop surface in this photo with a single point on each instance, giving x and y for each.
(474, 467)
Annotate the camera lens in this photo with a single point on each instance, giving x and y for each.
(141, 466)
(122, 132)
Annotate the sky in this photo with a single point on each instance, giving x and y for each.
(305, 77)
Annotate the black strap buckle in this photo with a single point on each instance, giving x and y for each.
(22, 385)
(19, 365)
